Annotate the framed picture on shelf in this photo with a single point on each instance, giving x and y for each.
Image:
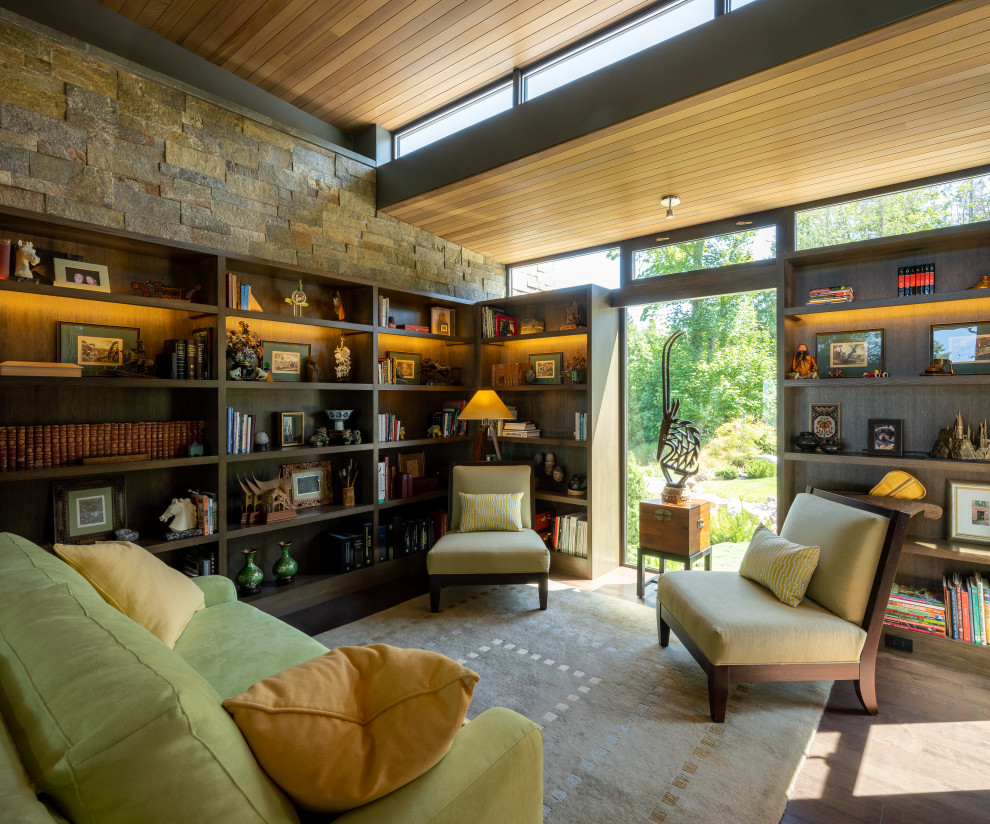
(968, 505)
(505, 326)
(408, 366)
(885, 436)
(290, 429)
(99, 350)
(309, 483)
(78, 275)
(413, 463)
(967, 345)
(850, 354)
(824, 419)
(546, 366)
(88, 510)
(441, 320)
(288, 360)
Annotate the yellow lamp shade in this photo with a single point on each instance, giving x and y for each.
(486, 405)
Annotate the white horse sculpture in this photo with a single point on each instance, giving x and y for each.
(184, 512)
(24, 259)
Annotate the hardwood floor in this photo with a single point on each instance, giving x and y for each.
(924, 758)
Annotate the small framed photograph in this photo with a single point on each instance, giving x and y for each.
(287, 360)
(290, 429)
(546, 366)
(850, 354)
(78, 275)
(88, 510)
(413, 463)
(968, 507)
(824, 419)
(408, 366)
(441, 320)
(967, 345)
(99, 350)
(309, 484)
(885, 436)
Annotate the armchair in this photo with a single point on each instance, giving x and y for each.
(481, 557)
(737, 630)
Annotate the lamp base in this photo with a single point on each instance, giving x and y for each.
(479, 442)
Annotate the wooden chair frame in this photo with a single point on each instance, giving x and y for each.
(437, 582)
(863, 672)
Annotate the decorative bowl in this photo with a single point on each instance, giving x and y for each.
(338, 416)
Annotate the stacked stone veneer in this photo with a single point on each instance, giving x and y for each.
(83, 139)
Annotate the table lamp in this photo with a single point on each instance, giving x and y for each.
(485, 406)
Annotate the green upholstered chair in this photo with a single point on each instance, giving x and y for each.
(737, 630)
(464, 558)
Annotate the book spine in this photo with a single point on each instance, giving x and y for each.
(3, 448)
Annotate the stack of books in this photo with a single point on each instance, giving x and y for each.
(383, 307)
(916, 280)
(489, 327)
(520, 429)
(388, 427)
(967, 608)
(571, 535)
(199, 562)
(206, 511)
(240, 432)
(239, 295)
(915, 609)
(830, 294)
(40, 370)
(580, 426)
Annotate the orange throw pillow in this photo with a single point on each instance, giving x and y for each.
(341, 730)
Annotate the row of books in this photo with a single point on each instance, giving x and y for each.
(239, 295)
(830, 294)
(240, 432)
(188, 358)
(496, 324)
(915, 609)
(383, 308)
(389, 427)
(967, 607)
(916, 280)
(570, 534)
(519, 429)
(206, 510)
(198, 561)
(448, 418)
(580, 426)
(347, 550)
(51, 445)
(389, 373)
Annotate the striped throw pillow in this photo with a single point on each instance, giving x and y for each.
(490, 512)
(782, 567)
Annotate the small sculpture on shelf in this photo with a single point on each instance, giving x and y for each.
(24, 259)
(136, 363)
(319, 438)
(577, 486)
(250, 576)
(353, 436)
(575, 319)
(158, 289)
(434, 431)
(261, 441)
(576, 366)
(244, 353)
(125, 534)
(549, 462)
(182, 513)
(939, 366)
(961, 443)
(312, 371)
(559, 472)
(338, 305)
(297, 300)
(679, 443)
(264, 502)
(803, 364)
(285, 568)
(342, 361)
(435, 373)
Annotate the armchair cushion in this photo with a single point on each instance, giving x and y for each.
(467, 553)
(784, 568)
(850, 540)
(491, 513)
(733, 620)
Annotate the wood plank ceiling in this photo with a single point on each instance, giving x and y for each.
(897, 104)
(357, 62)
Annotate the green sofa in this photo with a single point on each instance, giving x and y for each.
(102, 722)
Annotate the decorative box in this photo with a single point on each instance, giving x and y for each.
(676, 529)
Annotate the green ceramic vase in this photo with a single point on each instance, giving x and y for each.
(286, 567)
(250, 577)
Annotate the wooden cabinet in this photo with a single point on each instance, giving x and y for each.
(553, 407)
(924, 403)
(29, 313)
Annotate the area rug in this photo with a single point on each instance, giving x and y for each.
(626, 731)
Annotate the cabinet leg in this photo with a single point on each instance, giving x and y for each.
(708, 561)
(639, 572)
(435, 593)
(718, 693)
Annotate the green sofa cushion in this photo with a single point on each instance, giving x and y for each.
(110, 723)
(234, 645)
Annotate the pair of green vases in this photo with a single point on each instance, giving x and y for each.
(251, 575)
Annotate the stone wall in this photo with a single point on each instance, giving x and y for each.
(82, 138)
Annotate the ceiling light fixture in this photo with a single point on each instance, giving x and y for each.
(670, 201)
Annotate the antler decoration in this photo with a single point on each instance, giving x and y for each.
(680, 441)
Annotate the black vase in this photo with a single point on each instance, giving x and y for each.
(805, 441)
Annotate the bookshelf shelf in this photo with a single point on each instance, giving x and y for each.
(30, 288)
(185, 543)
(873, 384)
(109, 468)
(413, 499)
(278, 317)
(421, 442)
(561, 498)
(89, 382)
(303, 517)
(862, 459)
(536, 336)
(294, 386)
(298, 455)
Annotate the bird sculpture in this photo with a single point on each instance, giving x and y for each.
(680, 442)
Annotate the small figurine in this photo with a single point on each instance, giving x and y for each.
(352, 436)
(577, 485)
(434, 432)
(320, 437)
(24, 259)
(312, 371)
(803, 364)
(342, 357)
(338, 305)
(558, 473)
(182, 511)
(574, 319)
(261, 441)
(158, 289)
(940, 366)
(297, 300)
(136, 363)
(125, 534)
(549, 462)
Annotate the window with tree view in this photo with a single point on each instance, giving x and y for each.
(954, 203)
(706, 253)
(723, 370)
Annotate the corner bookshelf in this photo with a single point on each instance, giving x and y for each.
(552, 407)
(924, 403)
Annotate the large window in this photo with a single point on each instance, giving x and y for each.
(929, 207)
(466, 114)
(632, 38)
(706, 253)
(600, 267)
